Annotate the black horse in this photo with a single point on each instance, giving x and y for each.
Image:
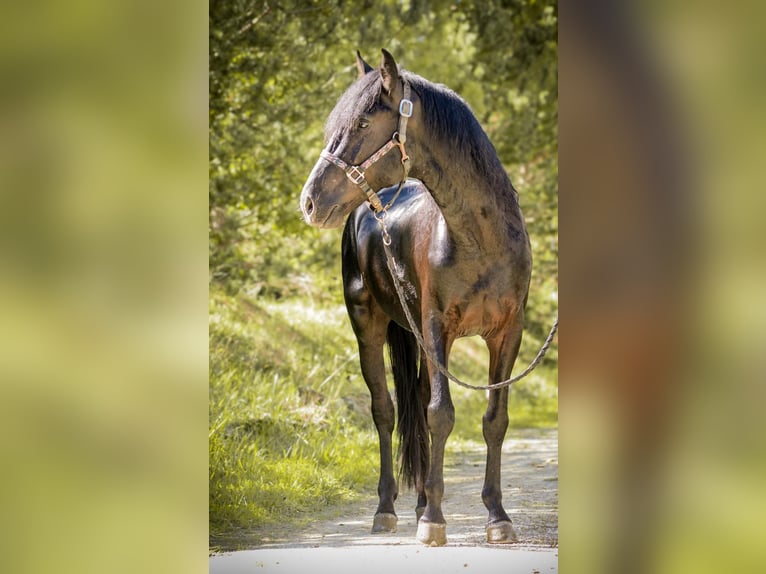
(463, 255)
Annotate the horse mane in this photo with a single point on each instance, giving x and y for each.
(446, 116)
(450, 120)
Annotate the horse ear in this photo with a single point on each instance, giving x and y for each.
(361, 65)
(389, 72)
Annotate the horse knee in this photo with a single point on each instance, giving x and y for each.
(441, 419)
(494, 427)
(496, 419)
(383, 413)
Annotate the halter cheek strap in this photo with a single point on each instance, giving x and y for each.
(355, 173)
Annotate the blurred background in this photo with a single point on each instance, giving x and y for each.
(661, 436)
(103, 349)
(103, 388)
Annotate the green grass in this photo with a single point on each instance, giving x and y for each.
(290, 428)
(288, 431)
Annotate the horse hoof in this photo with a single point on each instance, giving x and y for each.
(501, 533)
(384, 522)
(431, 533)
(419, 512)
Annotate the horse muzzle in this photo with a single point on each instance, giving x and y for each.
(323, 218)
(320, 207)
(311, 214)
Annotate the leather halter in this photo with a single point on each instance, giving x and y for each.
(356, 172)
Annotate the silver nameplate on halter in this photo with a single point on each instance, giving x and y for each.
(405, 108)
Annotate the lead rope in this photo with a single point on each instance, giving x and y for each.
(391, 262)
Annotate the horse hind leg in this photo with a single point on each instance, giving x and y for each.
(503, 354)
(382, 407)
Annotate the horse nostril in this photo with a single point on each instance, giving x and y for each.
(308, 206)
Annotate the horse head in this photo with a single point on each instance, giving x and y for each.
(367, 124)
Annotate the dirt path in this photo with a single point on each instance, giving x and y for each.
(530, 489)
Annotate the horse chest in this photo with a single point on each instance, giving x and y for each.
(475, 304)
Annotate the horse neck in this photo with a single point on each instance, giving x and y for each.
(476, 206)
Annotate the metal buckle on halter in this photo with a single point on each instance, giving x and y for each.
(355, 174)
(405, 108)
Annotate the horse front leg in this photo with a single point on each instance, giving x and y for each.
(432, 527)
(502, 355)
(425, 389)
(382, 407)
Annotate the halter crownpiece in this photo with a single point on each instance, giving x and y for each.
(355, 173)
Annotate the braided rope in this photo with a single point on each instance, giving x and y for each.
(391, 262)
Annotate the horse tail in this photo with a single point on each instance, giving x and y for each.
(411, 425)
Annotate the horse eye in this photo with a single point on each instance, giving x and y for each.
(363, 123)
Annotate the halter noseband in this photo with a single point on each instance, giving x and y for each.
(356, 172)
